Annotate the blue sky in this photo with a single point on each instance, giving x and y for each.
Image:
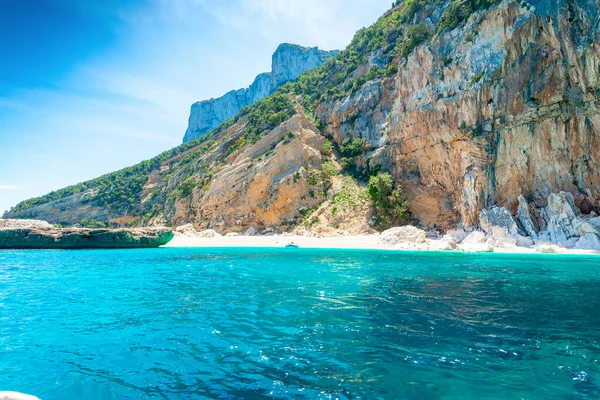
(91, 86)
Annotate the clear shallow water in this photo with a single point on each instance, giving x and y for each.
(285, 323)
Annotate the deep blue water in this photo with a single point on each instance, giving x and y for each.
(286, 323)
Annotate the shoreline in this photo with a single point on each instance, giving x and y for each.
(358, 242)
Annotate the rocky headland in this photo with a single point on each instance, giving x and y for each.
(31, 234)
(475, 113)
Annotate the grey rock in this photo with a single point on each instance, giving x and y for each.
(250, 231)
(589, 241)
(498, 220)
(562, 203)
(595, 221)
(524, 217)
(289, 61)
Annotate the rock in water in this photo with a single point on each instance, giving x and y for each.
(77, 238)
(403, 234)
(289, 61)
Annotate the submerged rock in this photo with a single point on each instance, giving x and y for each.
(78, 238)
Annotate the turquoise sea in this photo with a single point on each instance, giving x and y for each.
(298, 323)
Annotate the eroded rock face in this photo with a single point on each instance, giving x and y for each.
(504, 106)
(77, 238)
(289, 61)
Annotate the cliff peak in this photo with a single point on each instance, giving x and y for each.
(288, 62)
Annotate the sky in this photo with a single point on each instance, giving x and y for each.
(91, 86)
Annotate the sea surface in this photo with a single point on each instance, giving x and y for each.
(298, 323)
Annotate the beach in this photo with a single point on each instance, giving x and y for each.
(372, 242)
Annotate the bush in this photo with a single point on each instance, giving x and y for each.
(389, 206)
(327, 148)
(353, 147)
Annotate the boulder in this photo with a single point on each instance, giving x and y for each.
(562, 203)
(250, 231)
(209, 233)
(446, 243)
(475, 237)
(79, 238)
(403, 234)
(595, 221)
(457, 234)
(589, 241)
(583, 227)
(560, 229)
(187, 230)
(498, 220)
(524, 217)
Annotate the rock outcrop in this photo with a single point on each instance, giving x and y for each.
(289, 61)
(562, 223)
(36, 237)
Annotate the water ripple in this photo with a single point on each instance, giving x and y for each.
(193, 323)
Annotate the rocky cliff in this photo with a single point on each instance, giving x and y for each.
(289, 61)
(468, 104)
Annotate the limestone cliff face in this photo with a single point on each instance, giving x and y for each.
(289, 61)
(465, 115)
(505, 105)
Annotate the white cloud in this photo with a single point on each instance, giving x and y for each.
(328, 24)
(11, 187)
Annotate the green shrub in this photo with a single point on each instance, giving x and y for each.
(327, 148)
(389, 207)
(353, 147)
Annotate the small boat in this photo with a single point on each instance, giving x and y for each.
(291, 244)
